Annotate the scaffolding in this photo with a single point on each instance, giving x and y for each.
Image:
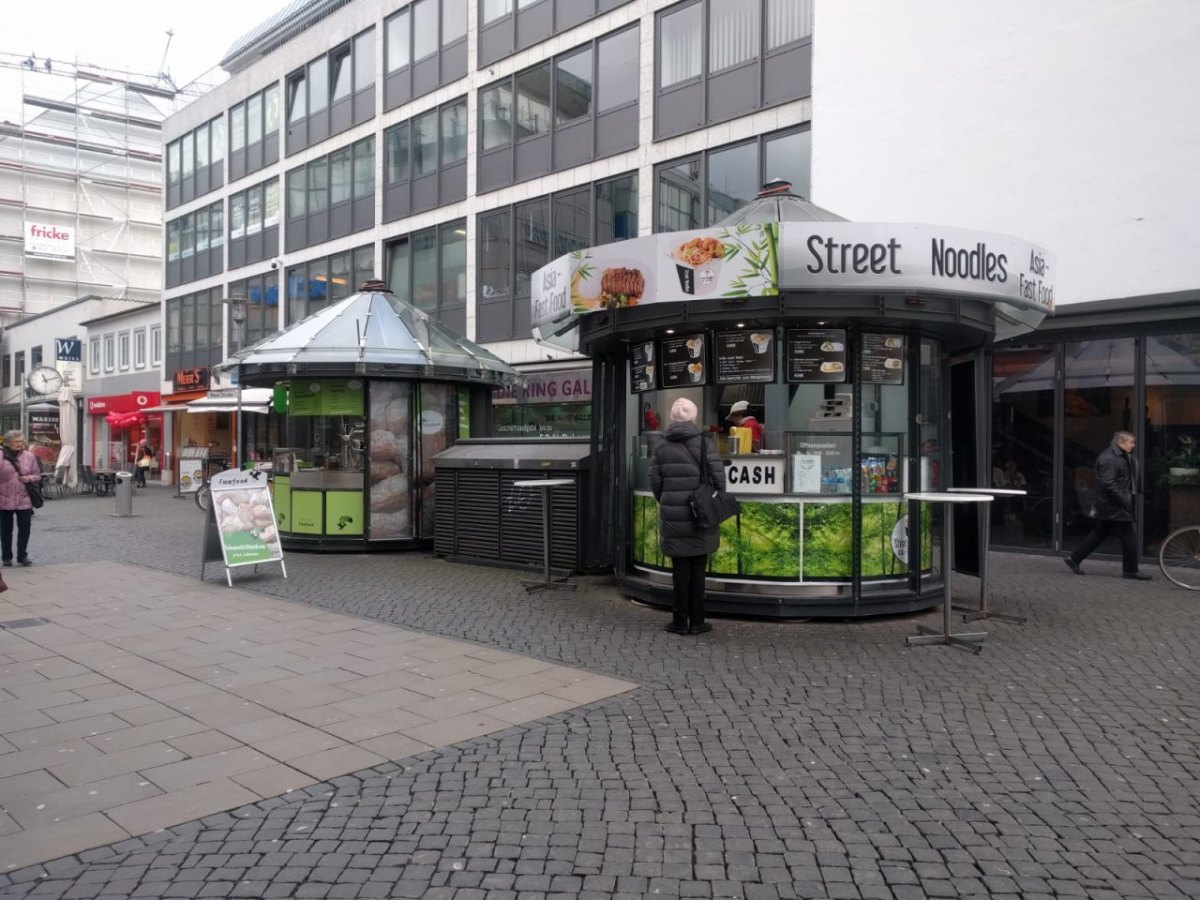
(81, 163)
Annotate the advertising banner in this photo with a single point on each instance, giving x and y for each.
(241, 505)
(762, 260)
(49, 241)
(191, 475)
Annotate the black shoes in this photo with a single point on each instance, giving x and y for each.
(8, 562)
(683, 628)
(676, 628)
(702, 628)
(1073, 566)
(1137, 576)
(25, 561)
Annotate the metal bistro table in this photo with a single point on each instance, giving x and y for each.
(971, 640)
(985, 529)
(545, 485)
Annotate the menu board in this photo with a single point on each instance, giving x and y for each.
(641, 367)
(883, 359)
(745, 356)
(816, 355)
(682, 360)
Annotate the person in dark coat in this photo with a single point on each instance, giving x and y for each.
(1117, 482)
(20, 467)
(674, 474)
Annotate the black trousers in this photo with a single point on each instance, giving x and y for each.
(24, 520)
(1103, 528)
(687, 577)
(139, 475)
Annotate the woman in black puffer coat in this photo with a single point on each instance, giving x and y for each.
(674, 474)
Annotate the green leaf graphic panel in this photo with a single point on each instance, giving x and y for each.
(647, 550)
(828, 552)
(878, 521)
(769, 540)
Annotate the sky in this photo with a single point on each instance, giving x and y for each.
(126, 34)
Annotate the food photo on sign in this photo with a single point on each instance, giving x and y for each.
(247, 525)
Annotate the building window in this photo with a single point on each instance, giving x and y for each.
(193, 330)
(93, 357)
(506, 27)
(314, 285)
(513, 242)
(110, 347)
(254, 224)
(254, 133)
(139, 349)
(35, 357)
(426, 161)
(332, 196)
(194, 244)
(721, 59)
(562, 113)
(698, 191)
(6, 375)
(123, 358)
(425, 48)
(430, 268)
(156, 346)
(261, 294)
(333, 93)
(19, 368)
(194, 163)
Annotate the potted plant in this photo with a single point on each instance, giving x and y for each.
(1185, 461)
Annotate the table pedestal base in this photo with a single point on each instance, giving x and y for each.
(973, 615)
(968, 640)
(549, 584)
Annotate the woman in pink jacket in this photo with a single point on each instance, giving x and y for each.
(17, 469)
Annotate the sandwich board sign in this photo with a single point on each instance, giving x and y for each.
(241, 530)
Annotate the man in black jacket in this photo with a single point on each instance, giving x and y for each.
(1117, 483)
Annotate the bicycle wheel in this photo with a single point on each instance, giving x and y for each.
(202, 497)
(1179, 557)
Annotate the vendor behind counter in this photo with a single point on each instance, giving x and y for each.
(740, 417)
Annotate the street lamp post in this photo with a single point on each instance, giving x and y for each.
(237, 313)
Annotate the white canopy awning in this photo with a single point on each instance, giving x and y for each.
(253, 400)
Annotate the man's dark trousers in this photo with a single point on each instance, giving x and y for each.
(1103, 528)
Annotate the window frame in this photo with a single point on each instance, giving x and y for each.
(139, 348)
(93, 356)
(110, 352)
(124, 351)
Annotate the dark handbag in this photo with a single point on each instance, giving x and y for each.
(710, 505)
(35, 494)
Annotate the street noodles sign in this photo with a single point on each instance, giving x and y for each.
(762, 260)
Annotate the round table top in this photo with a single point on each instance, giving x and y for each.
(946, 497)
(544, 482)
(1006, 492)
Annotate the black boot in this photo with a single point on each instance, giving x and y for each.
(700, 627)
(677, 626)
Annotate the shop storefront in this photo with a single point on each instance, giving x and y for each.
(371, 390)
(117, 422)
(836, 337)
(544, 404)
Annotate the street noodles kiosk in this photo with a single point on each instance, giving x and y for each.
(835, 338)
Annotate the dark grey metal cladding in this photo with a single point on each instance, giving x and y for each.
(617, 131)
(787, 75)
(237, 253)
(187, 188)
(495, 169)
(270, 149)
(173, 274)
(535, 24)
(364, 104)
(318, 228)
(424, 193)
(364, 213)
(425, 76)
(452, 183)
(573, 144)
(397, 88)
(202, 181)
(496, 41)
(173, 193)
(237, 164)
(679, 110)
(533, 157)
(396, 203)
(341, 115)
(297, 139)
(295, 236)
(254, 247)
(569, 13)
(340, 220)
(318, 126)
(254, 157)
(454, 62)
(187, 270)
(729, 91)
(493, 318)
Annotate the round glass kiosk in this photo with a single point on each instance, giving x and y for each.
(372, 389)
(835, 338)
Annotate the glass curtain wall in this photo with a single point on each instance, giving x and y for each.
(1023, 444)
(1171, 440)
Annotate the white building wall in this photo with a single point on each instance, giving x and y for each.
(1073, 124)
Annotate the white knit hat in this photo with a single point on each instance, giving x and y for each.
(740, 406)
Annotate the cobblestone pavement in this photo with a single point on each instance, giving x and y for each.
(819, 759)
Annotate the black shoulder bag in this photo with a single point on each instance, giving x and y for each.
(710, 506)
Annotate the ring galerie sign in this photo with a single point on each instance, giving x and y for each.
(241, 530)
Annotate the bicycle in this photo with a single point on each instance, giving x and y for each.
(203, 497)
(1179, 557)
